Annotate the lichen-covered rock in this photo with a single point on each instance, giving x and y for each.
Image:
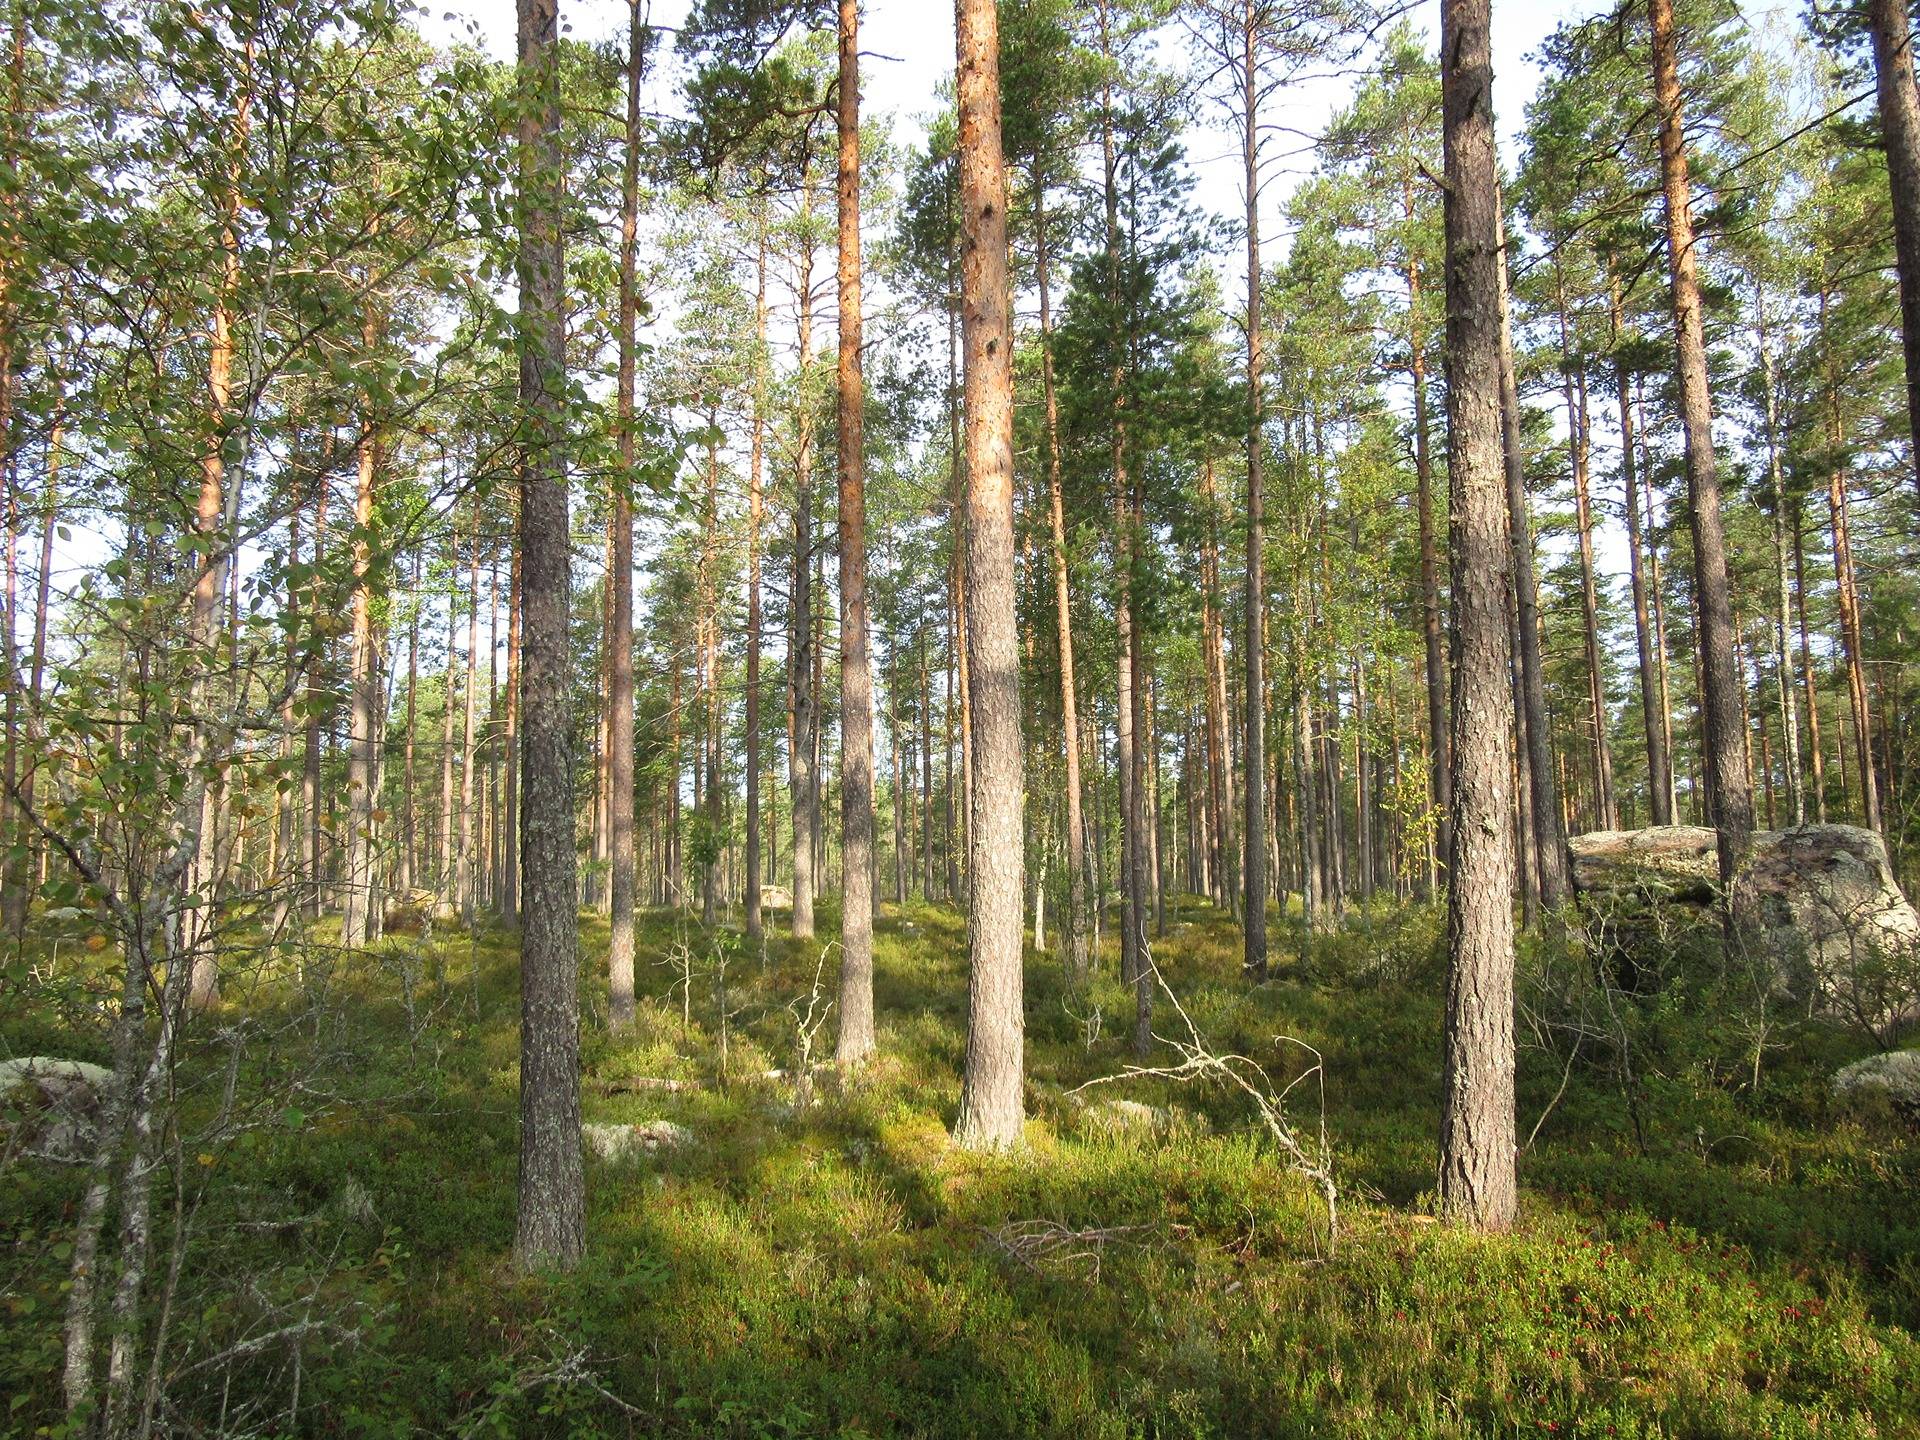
(54, 1102)
(1674, 862)
(632, 1142)
(1894, 1077)
(1817, 906)
(1824, 896)
(775, 897)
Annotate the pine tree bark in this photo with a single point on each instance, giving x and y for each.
(856, 1039)
(1477, 1181)
(1726, 776)
(1900, 131)
(551, 1227)
(991, 1110)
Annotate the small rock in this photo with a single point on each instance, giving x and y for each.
(1894, 1077)
(628, 1142)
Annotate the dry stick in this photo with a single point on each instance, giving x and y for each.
(1198, 1063)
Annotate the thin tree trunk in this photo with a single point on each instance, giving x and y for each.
(356, 919)
(801, 659)
(1659, 761)
(35, 867)
(1549, 867)
(1847, 589)
(510, 829)
(445, 886)
(1078, 953)
(1814, 750)
(1432, 619)
(1657, 593)
(409, 831)
(469, 732)
(312, 832)
(1219, 748)
(215, 561)
(1777, 493)
(1726, 780)
(1606, 815)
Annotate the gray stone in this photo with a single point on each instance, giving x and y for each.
(1815, 899)
(775, 897)
(1677, 862)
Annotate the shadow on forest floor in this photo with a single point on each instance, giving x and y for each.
(842, 1270)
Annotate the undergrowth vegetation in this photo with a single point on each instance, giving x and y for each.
(1706, 1254)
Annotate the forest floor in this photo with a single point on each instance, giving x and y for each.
(1746, 1263)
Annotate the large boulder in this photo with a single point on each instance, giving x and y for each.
(52, 1106)
(1819, 902)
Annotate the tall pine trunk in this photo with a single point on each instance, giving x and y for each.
(856, 1039)
(1477, 1182)
(356, 918)
(551, 1226)
(1254, 857)
(1900, 131)
(991, 1109)
(800, 650)
(1723, 743)
(620, 900)
(756, 519)
(1781, 618)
